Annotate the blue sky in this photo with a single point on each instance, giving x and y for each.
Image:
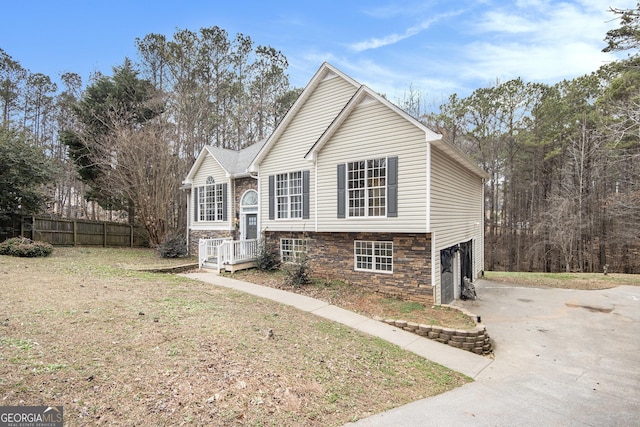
(438, 47)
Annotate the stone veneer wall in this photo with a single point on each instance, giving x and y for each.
(196, 235)
(242, 185)
(331, 256)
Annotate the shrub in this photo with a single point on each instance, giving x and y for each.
(24, 247)
(298, 272)
(173, 246)
(268, 258)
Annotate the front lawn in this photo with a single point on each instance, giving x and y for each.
(584, 281)
(83, 329)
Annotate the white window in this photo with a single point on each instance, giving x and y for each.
(250, 199)
(289, 195)
(292, 249)
(211, 201)
(373, 256)
(367, 187)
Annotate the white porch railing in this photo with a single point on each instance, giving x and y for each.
(226, 251)
(208, 249)
(237, 251)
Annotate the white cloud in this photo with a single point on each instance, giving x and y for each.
(532, 63)
(376, 42)
(497, 21)
(542, 41)
(539, 40)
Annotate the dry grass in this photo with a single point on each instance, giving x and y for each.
(119, 347)
(364, 302)
(584, 281)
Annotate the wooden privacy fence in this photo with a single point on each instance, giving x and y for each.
(65, 232)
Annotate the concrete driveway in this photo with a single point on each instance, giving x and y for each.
(562, 358)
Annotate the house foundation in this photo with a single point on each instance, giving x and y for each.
(196, 235)
(331, 256)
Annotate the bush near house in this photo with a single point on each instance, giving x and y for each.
(297, 273)
(173, 246)
(267, 258)
(24, 247)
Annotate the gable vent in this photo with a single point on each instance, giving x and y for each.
(330, 75)
(367, 100)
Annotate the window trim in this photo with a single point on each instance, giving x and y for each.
(289, 178)
(376, 260)
(306, 175)
(366, 190)
(299, 247)
(245, 196)
(210, 199)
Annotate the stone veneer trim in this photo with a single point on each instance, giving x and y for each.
(331, 256)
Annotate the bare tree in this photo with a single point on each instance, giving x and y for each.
(142, 164)
(558, 226)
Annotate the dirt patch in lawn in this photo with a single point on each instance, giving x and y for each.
(115, 346)
(362, 301)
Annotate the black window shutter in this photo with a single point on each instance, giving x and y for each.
(224, 201)
(341, 190)
(272, 197)
(195, 203)
(392, 187)
(305, 194)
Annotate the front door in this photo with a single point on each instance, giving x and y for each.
(251, 227)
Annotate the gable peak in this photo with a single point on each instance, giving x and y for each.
(366, 100)
(329, 75)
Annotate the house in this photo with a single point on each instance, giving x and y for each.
(372, 196)
(222, 200)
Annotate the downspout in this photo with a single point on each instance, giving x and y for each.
(435, 282)
(482, 214)
(315, 184)
(188, 191)
(257, 178)
(428, 188)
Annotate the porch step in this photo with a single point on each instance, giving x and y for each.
(230, 255)
(240, 266)
(212, 265)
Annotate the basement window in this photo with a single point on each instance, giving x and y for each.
(373, 256)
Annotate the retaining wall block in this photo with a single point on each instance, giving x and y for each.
(476, 340)
(411, 326)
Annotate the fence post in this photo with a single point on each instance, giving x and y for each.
(33, 228)
(75, 233)
(104, 234)
(131, 235)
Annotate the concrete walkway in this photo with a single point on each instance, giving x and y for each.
(465, 362)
